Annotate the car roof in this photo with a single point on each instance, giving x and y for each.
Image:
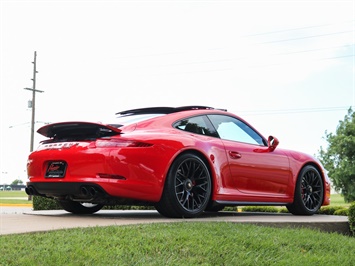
(165, 110)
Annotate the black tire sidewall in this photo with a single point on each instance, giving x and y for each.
(170, 187)
(78, 208)
(298, 206)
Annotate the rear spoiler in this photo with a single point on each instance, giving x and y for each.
(76, 129)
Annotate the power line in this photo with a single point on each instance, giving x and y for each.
(222, 60)
(264, 33)
(306, 37)
(296, 29)
(317, 49)
(296, 111)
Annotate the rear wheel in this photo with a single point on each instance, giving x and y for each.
(187, 188)
(79, 207)
(309, 192)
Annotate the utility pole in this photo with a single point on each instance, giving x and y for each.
(33, 89)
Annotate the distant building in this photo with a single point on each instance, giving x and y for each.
(12, 187)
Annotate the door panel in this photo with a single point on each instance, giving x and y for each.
(253, 171)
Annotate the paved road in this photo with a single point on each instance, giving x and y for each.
(16, 220)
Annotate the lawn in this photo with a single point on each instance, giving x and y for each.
(338, 200)
(185, 243)
(13, 193)
(192, 243)
(14, 197)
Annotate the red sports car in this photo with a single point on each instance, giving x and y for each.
(183, 161)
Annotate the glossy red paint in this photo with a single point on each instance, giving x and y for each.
(132, 162)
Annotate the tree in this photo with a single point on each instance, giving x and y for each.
(17, 182)
(339, 158)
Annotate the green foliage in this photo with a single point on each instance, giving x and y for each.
(329, 210)
(352, 218)
(342, 212)
(339, 157)
(260, 209)
(231, 209)
(17, 182)
(184, 243)
(127, 207)
(283, 210)
(41, 203)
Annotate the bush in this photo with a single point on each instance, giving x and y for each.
(41, 203)
(352, 218)
(260, 209)
(283, 210)
(329, 210)
(127, 207)
(342, 212)
(231, 209)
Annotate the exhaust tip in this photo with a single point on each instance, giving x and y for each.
(93, 191)
(84, 191)
(29, 191)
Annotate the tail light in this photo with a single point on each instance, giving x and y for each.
(118, 143)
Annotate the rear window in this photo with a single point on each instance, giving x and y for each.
(126, 120)
(198, 125)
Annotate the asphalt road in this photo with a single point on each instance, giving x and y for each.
(15, 220)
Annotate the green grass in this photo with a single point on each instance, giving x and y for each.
(191, 243)
(338, 200)
(13, 193)
(10, 197)
(185, 243)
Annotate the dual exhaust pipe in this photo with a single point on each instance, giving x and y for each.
(89, 191)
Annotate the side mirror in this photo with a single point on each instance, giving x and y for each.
(272, 143)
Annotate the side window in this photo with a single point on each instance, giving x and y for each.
(230, 128)
(198, 125)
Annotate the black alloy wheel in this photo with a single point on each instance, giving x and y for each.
(187, 188)
(309, 192)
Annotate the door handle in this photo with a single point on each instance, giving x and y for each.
(234, 155)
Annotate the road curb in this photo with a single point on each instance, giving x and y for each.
(15, 205)
(26, 220)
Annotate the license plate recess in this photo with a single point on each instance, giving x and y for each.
(56, 169)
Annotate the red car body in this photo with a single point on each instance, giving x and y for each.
(132, 163)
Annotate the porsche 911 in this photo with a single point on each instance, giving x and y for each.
(182, 160)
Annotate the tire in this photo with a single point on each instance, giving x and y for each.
(214, 207)
(187, 189)
(309, 192)
(79, 207)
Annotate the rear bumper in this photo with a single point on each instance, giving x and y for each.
(86, 191)
(60, 189)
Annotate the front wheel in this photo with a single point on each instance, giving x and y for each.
(79, 207)
(309, 192)
(187, 188)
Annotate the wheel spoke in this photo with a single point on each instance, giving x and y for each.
(192, 184)
(311, 189)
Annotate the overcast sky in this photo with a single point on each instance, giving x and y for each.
(287, 67)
